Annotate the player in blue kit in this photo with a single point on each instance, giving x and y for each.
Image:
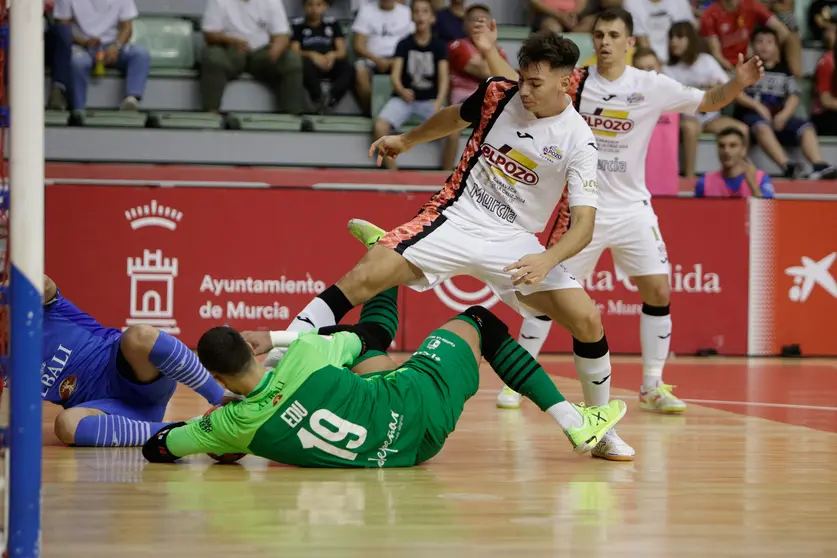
(114, 385)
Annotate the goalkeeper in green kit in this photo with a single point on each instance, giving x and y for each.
(337, 399)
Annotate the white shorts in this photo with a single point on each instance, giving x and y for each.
(703, 118)
(397, 111)
(442, 249)
(634, 239)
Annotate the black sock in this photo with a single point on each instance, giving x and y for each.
(337, 302)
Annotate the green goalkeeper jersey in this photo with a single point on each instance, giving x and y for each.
(311, 411)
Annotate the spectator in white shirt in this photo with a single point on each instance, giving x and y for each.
(691, 67)
(378, 28)
(103, 30)
(654, 18)
(251, 36)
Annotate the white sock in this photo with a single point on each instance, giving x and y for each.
(594, 374)
(316, 315)
(533, 334)
(565, 415)
(655, 338)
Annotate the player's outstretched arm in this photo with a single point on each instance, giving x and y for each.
(485, 39)
(442, 124)
(746, 74)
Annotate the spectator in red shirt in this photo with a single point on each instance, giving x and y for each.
(824, 106)
(467, 70)
(728, 26)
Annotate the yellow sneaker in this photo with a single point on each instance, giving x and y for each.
(366, 232)
(597, 422)
(660, 399)
(508, 399)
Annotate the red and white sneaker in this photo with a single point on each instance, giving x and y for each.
(660, 399)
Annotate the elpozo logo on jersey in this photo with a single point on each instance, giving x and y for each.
(610, 123)
(512, 164)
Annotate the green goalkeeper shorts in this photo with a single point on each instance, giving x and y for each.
(448, 375)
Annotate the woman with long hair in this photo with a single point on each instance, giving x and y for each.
(688, 65)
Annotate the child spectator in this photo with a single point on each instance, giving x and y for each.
(653, 20)
(378, 28)
(728, 26)
(420, 77)
(768, 108)
(319, 39)
(736, 172)
(691, 67)
(824, 106)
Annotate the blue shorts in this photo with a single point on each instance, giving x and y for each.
(84, 367)
(789, 136)
(119, 395)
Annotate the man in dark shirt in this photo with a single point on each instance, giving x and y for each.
(450, 22)
(319, 39)
(769, 108)
(420, 76)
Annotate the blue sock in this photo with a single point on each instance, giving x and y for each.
(174, 360)
(108, 431)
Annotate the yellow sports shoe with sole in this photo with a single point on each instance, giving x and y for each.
(597, 421)
(366, 232)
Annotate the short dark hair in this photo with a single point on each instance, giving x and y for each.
(224, 351)
(549, 47)
(764, 31)
(414, 2)
(645, 51)
(730, 131)
(474, 7)
(684, 29)
(612, 14)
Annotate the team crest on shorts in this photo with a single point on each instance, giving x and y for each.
(67, 387)
(433, 344)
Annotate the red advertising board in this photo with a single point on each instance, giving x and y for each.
(185, 259)
(793, 289)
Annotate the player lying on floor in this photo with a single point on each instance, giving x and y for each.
(313, 410)
(114, 385)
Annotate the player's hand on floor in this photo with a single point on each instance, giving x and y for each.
(259, 340)
(530, 270)
(388, 146)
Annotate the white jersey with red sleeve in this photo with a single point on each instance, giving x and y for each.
(513, 179)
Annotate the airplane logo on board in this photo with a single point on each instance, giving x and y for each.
(809, 274)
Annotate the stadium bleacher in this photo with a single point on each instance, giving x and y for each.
(170, 30)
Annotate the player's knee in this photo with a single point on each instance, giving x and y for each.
(493, 331)
(657, 294)
(587, 327)
(139, 339)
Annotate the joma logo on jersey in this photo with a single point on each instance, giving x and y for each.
(515, 166)
(609, 123)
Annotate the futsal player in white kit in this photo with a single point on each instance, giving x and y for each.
(528, 143)
(622, 105)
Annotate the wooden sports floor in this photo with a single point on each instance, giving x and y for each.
(749, 470)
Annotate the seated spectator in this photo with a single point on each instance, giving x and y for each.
(736, 171)
(824, 106)
(768, 108)
(822, 20)
(728, 26)
(662, 160)
(557, 16)
(101, 33)
(691, 67)
(467, 71)
(249, 37)
(319, 40)
(378, 28)
(58, 52)
(420, 77)
(653, 20)
(588, 13)
(450, 21)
